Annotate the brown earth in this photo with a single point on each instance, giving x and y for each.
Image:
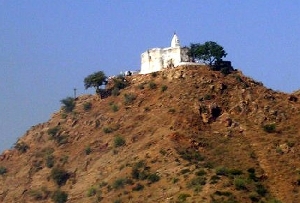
(181, 135)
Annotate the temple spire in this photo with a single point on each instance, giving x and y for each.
(175, 41)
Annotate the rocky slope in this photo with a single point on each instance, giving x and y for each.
(181, 135)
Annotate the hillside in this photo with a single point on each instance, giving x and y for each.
(181, 135)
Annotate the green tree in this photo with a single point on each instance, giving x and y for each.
(95, 80)
(209, 52)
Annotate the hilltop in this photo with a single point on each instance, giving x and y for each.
(187, 134)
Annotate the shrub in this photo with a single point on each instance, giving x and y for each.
(270, 128)
(191, 155)
(53, 131)
(141, 86)
(152, 85)
(221, 193)
(171, 110)
(115, 92)
(62, 139)
(118, 201)
(164, 88)
(60, 176)
(129, 98)
(114, 108)
(49, 161)
(3, 170)
(154, 74)
(261, 190)
(153, 178)
(214, 179)
(60, 196)
(119, 141)
(222, 171)
(239, 183)
(119, 82)
(87, 106)
(197, 181)
(119, 183)
(182, 197)
(201, 172)
(138, 187)
(21, 147)
(39, 194)
(68, 104)
(91, 191)
(88, 150)
(235, 172)
(184, 171)
(107, 130)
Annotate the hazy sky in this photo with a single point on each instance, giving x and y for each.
(47, 48)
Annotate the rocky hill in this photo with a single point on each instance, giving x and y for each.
(188, 134)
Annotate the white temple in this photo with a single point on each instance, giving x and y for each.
(157, 59)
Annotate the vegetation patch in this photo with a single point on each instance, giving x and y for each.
(119, 141)
(59, 196)
(39, 194)
(152, 85)
(21, 147)
(191, 155)
(138, 187)
(87, 106)
(270, 128)
(59, 175)
(68, 104)
(164, 88)
(129, 98)
(87, 150)
(3, 170)
(182, 197)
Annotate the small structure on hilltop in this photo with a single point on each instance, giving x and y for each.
(157, 59)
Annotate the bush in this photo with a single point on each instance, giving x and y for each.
(154, 74)
(152, 85)
(222, 171)
(3, 170)
(119, 183)
(141, 86)
(270, 128)
(197, 181)
(50, 161)
(115, 92)
(68, 104)
(239, 183)
(39, 194)
(129, 98)
(21, 147)
(91, 191)
(182, 197)
(114, 108)
(119, 82)
(119, 141)
(107, 130)
(60, 176)
(88, 150)
(164, 88)
(191, 155)
(153, 178)
(201, 172)
(261, 190)
(53, 131)
(60, 196)
(87, 106)
(138, 187)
